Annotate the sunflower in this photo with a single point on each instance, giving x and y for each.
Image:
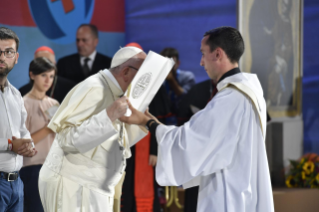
(308, 167)
(290, 182)
(317, 178)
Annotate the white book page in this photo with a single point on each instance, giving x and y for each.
(148, 80)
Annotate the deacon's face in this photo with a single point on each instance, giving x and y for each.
(85, 41)
(47, 55)
(7, 64)
(43, 81)
(208, 61)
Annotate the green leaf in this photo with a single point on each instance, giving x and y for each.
(294, 163)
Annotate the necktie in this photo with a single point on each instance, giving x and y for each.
(85, 68)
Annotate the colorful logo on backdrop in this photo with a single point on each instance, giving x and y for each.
(58, 20)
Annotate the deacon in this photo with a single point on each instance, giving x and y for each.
(222, 147)
(84, 169)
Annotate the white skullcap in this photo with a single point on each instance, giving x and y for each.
(123, 55)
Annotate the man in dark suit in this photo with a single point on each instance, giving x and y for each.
(87, 61)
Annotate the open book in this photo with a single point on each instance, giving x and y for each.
(148, 80)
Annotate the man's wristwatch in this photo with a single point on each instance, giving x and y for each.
(10, 146)
(149, 123)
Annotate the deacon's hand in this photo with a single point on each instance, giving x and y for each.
(136, 117)
(148, 114)
(117, 109)
(23, 147)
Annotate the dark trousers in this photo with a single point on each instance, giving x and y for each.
(191, 196)
(11, 195)
(30, 176)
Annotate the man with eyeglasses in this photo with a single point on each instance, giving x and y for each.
(84, 169)
(15, 139)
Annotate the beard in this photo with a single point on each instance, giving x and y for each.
(4, 71)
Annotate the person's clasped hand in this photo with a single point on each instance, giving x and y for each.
(117, 109)
(23, 147)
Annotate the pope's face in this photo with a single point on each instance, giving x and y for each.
(136, 66)
(7, 64)
(208, 61)
(85, 41)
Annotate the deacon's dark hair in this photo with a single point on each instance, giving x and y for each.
(170, 52)
(40, 65)
(6, 34)
(227, 38)
(93, 28)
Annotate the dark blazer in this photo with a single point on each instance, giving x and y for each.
(70, 67)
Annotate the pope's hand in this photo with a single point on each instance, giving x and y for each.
(136, 117)
(117, 109)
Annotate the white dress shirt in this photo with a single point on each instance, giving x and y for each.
(12, 123)
(90, 62)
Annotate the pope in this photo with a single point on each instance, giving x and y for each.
(84, 169)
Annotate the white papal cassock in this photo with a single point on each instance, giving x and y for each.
(221, 149)
(84, 169)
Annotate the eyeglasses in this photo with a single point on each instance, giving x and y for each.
(8, 53)
(133, 68)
